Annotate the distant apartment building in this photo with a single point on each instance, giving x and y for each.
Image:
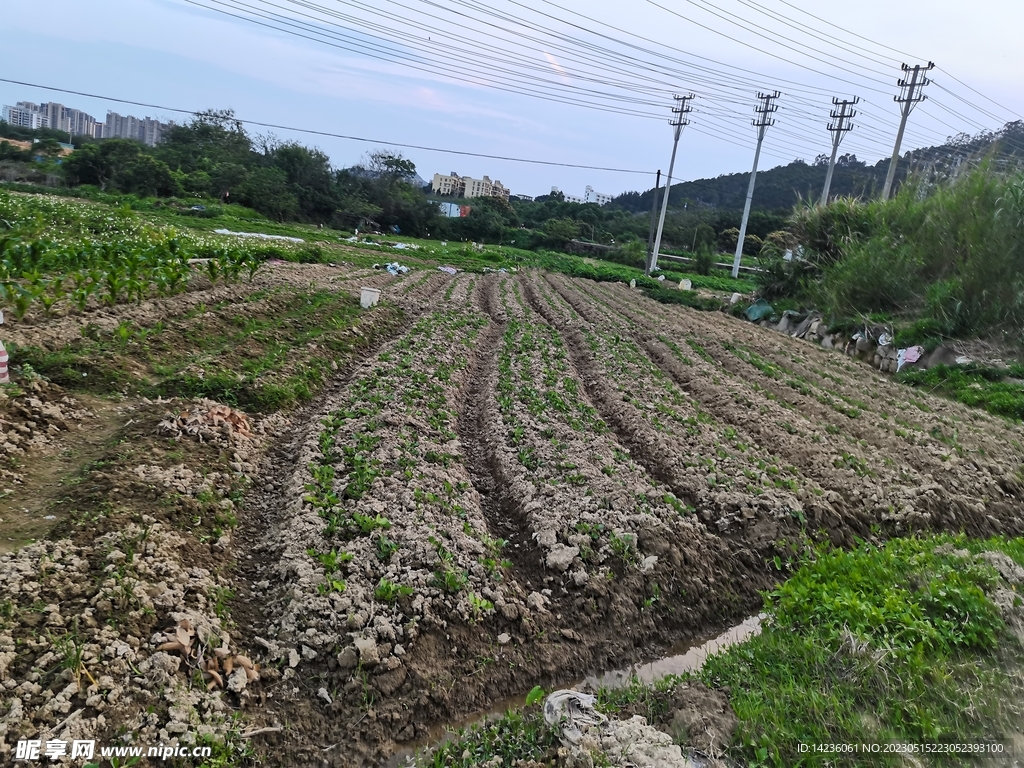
(589, 196)
(452, 184)
(51, 115)
(464, 186)
(565, 197)
(484, 188)
(145, 129)
(23, 117)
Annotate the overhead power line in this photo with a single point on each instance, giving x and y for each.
(332, 135)
(769, 53)
(632, 83)
(903, 54)
(965, 85)
(818, 34)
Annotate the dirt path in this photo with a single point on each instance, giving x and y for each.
(33, 499)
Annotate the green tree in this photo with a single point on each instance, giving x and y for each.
(146, 176)
(561, 231)
(211, 138)
(266, 190)
(224, 177)
(101, 163)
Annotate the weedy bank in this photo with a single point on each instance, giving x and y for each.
(917, 641)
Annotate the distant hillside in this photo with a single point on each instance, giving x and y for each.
(781, 188)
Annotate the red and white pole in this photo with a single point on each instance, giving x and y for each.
(5, 377)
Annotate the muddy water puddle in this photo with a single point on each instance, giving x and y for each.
(682, 659)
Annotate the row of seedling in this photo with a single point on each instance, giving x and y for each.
(412, 381)
(50, 276)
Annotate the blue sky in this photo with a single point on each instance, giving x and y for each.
(172, 53)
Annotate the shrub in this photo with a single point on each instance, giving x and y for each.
(704, 261)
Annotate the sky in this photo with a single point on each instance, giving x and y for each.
(576, 82)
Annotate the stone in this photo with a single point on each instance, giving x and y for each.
(504, 638)
(535, 600)
(634, 740)
(293, 658)
(367, 648)
(560, 557)
(237, 680)
(348, 658)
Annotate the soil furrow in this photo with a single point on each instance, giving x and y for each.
(645, 447)
(953, 496)
(480, 434)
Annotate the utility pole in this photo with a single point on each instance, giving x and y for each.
(765, 109)
(650, 233)
(837, 129)
(678, 122)
(910, 96)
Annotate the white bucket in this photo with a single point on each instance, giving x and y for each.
(368, 297)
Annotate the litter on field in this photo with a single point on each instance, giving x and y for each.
(205, 420)
(259, 236)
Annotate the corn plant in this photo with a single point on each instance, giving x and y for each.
(116, 284)
(50, 298)
(20, 299)
(212, 270)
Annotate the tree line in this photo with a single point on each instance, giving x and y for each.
(213, 158)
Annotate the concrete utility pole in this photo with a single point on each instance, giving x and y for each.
(910, 96)
(678, 122)
(837, 129)
(650, 233)
(766, 108)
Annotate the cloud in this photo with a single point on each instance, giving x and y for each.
(558, 68)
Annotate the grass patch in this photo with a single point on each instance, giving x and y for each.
(278, 353)
(974, 385)
(892, 644)
(518, 735)
(899, 644)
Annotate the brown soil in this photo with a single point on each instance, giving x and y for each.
(29, 507)
(599, 476)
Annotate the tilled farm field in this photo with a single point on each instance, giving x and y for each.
(496, 481)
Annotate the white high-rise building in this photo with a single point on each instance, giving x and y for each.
(24, 116)
(590, 196)
(452, 184)
(144, 129)
(51, 115)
